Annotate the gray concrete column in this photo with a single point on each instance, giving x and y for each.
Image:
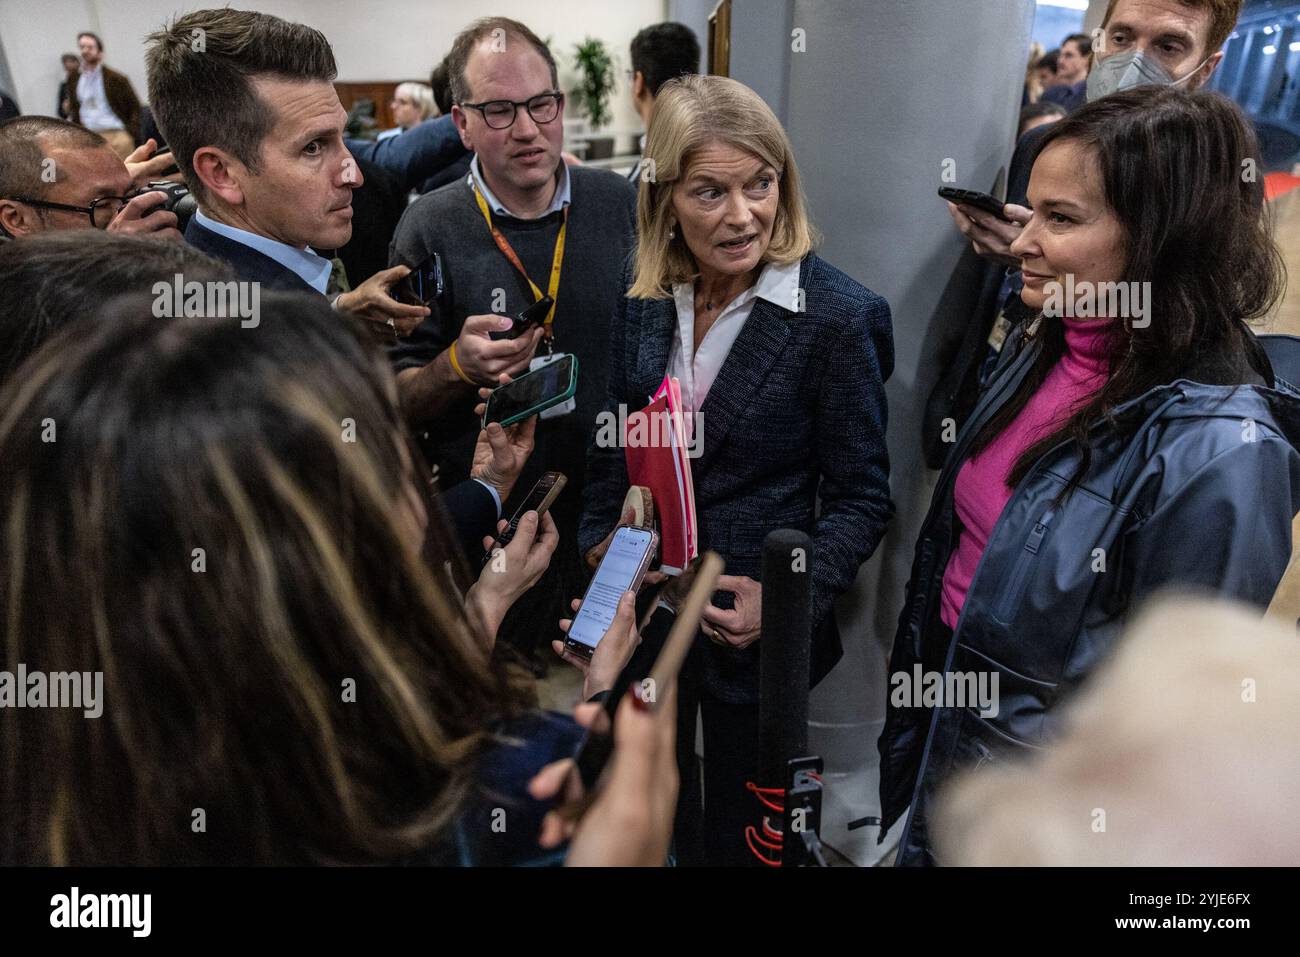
(883, 98)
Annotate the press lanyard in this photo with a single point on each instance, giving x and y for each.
(556, 262)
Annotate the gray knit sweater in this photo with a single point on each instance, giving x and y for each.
(602, 227)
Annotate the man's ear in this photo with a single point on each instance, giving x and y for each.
(221, 174)
(1211, 65)
(638, 85)
(461, 119)
(17, 219)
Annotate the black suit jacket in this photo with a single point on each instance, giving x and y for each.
(471, 506)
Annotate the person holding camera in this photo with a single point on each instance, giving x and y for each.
(55, 175)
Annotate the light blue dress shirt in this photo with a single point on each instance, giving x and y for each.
(314, 269)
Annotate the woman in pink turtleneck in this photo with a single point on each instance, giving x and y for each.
(1075, 240)
(982, 491)
(1132, 441)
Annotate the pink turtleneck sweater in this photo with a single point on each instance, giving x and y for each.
(981, 492)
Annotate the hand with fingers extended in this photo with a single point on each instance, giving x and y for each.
(613, 651)
(630, 821)
(512, 570)
(741, 625)
(990, 236)
(483, 359)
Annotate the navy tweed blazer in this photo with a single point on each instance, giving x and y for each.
(797, 413)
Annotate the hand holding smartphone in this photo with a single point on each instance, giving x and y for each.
(539, 499)
(620, 571)
(423, 285)
(981, 201)
(533, 392)
(525, 319)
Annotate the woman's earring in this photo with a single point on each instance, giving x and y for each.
(672, 232)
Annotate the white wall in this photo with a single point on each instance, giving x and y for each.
(396, 40)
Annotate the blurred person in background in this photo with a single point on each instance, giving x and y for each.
(1182, 751)
(412, 103)
(659, 53)
(1033, 85)
(104, 100)
(1045, 70)
(68, 85)
(1040, 114)
(1070, 89)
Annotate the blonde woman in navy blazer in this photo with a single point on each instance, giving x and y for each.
(785, 359)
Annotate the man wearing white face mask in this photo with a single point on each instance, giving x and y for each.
(1141, 42)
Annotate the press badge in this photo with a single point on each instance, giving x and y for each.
(564, 408)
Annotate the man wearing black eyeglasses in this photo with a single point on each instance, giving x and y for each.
(57, 175)
(522, 225)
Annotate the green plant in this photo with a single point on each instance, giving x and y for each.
(593, 60)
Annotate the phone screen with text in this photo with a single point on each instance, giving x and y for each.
(616, 575)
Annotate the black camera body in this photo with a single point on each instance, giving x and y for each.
(179, 200)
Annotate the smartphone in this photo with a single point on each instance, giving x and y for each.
(533, 392)
(525, 319)
(423, 285)
(621, 570)
(595, 748)
(545, 492)
(970, 197)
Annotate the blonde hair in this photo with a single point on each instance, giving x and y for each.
(1183, 749)
(1032, 85)
(420, 94)
(691, 112)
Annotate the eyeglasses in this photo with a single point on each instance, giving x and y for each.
(500, 114)
(101, 211)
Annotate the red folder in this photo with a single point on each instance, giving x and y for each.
(654, 442)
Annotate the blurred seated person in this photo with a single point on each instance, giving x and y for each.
(280, 650)
(782, 361)
(88, 189)
(412, 103)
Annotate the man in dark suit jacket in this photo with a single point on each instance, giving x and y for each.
(265, 207)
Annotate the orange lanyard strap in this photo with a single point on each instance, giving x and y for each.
(557, 261)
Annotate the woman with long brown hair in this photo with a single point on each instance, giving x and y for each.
(225, 525)
(1134, 439)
